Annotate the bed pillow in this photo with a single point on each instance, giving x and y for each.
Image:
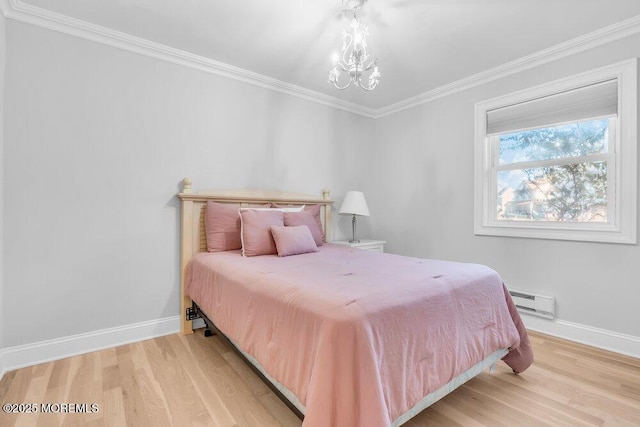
(293, 240)
(255, 232)
(305, 218)
(315, 210)
(222, 227)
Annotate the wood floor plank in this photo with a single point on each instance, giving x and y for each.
(86, 388)
(108, 357)
(35, 393)
(16, 392)
(511, 389)
(190, 380)
(6, 381)
(113, 407)
(214, 403)
(140, 409)
(59, 373)
(546, 410)
(258, 387)
(175, 388)
(279, 410)
(451, 414)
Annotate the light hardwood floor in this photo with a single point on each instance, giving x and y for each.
(192, 380)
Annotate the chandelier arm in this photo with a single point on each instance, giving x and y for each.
(369, 86)
(368, 89)
(335, 83)
(368, 67)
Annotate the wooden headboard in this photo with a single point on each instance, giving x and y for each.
(192, 233)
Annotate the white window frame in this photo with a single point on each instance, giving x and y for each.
(621, 164)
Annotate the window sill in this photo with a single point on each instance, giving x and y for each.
(600, 234)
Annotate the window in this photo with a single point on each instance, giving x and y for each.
(558, 161)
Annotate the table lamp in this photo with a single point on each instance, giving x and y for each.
(354, 204)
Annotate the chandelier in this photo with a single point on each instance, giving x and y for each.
(354, 60)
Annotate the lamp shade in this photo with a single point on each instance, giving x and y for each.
(354, 204)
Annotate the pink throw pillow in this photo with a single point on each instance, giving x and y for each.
(315, 210)
(293, 240)
(255, 231)
(305, 218)
(222, 227)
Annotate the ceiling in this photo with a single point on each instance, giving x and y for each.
(420, 44)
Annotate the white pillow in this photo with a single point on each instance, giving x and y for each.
(290, 209)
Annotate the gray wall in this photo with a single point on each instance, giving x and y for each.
(421, 199)
(97, 140)
(3, 39)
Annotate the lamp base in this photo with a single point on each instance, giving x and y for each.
(353, 230)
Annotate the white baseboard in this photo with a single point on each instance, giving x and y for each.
(45, 351)
(595, 337)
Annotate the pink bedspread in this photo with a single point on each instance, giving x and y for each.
(359, 337)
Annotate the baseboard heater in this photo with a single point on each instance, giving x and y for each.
(538, 305)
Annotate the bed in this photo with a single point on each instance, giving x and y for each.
(348, 337)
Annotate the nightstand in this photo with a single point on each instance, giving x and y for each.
(367, 245)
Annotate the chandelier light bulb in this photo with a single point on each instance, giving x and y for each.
(357, 38)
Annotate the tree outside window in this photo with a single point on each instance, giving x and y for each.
(566, 191)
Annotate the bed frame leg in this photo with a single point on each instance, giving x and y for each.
(208, 333)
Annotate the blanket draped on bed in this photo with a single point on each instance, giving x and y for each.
(358, 337)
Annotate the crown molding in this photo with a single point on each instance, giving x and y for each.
(19, 11)
(597, 38)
